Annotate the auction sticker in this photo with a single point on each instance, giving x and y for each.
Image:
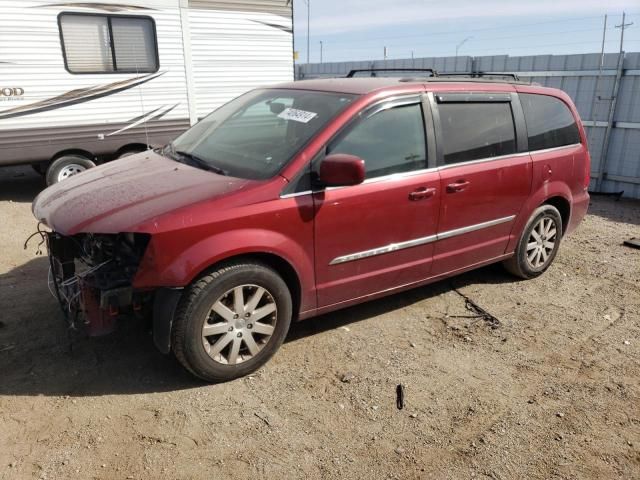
(296, 115)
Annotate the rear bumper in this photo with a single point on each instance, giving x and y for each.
(578, 211)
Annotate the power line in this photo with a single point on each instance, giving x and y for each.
(450, 42)
(462, 32)
(497, 50)
(376, 41)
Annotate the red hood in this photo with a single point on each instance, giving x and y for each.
(118, 196)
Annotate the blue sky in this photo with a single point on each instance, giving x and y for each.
(360, 29)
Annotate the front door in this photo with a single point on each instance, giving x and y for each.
(485, 176)
(380, 234)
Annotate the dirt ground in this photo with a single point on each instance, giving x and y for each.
(553, 391)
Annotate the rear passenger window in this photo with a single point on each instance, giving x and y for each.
(390, 141)
(550, 123)
(473, 131)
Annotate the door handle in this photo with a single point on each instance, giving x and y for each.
(422, 194)
(458, 186)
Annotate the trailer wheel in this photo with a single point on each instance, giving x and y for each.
(128, 153)
(67, 166)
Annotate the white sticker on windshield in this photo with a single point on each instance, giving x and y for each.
(301, 116)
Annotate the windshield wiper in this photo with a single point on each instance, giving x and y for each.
(200, 163)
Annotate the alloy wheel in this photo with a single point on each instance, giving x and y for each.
(542, 242)
(239, 324)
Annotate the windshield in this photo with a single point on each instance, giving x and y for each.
(257, 134)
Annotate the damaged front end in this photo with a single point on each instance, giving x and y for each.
(92, 275)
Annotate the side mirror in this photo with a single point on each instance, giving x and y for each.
(339, 170)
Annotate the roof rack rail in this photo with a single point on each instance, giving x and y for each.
(512, 76)
(373, 71)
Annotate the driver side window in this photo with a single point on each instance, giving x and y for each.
(389, 141)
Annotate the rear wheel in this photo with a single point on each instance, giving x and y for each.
(538, 245)
(231, 321)
(67, 166)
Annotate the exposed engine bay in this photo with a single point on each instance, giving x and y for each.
(91, 275)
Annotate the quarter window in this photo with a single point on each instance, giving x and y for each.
(108, 43)
(390, 141)
(473, 131)
(550, 123)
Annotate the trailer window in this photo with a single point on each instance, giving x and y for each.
(108, 43)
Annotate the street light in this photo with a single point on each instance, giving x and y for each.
(462, 43)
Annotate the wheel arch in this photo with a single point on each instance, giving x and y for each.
(166, 300)
(279, 264)
(557, 194)
(130, 147)
(164, 265)
(564, 207)
(73, 151)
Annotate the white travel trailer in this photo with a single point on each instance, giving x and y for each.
(85, 82)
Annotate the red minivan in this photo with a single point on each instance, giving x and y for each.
(307, 197)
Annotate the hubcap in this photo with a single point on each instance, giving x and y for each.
(239, 324)
(70, 170)
(541, 242)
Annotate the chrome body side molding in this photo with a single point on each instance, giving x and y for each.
(419, 241)
(382, 250)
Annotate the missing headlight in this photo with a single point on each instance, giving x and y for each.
(91, 275)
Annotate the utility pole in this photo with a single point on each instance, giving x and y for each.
(320, 51)
(622, 26)
(385, 53)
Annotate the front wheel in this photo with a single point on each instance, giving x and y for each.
(230, 322)
(538, 244)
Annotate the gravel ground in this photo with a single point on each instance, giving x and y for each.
(552, 391)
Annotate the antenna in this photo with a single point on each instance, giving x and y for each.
(144, 123)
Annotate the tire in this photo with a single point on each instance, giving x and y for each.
(211, 357)
(534, 253)
(128, 153)
(67, 166)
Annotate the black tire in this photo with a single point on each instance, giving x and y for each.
(520, 265)
(70, 163)
(194, 310)
(128, 153)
